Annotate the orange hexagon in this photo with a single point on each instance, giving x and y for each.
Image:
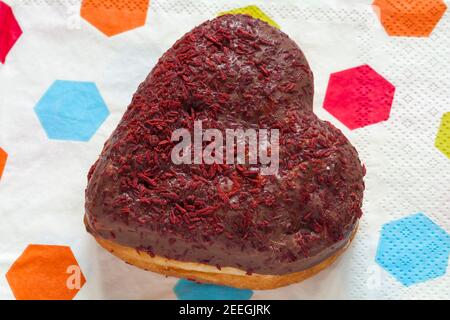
(45, 272)
(115, 16)
(3, 157)
(409, 18)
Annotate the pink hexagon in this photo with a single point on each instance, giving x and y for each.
(358, 97)
(10, 30)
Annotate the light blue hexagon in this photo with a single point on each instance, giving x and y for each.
(71, 110)
(189, 290)
(413, 249)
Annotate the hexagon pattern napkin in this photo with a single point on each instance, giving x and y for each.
(69, 69)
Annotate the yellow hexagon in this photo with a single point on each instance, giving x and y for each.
(254, 12)
(443, 137)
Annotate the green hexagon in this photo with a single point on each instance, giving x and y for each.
(442, 141)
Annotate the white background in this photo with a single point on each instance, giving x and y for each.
(42, 189)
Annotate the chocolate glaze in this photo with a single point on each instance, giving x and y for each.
(230, 72)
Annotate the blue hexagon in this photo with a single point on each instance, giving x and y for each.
(189, 290)
(71, 110)
(413, 249)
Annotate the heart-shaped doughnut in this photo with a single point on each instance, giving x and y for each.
(227, 223)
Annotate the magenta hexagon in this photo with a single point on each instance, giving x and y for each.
(359, 97)
(10, 30)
